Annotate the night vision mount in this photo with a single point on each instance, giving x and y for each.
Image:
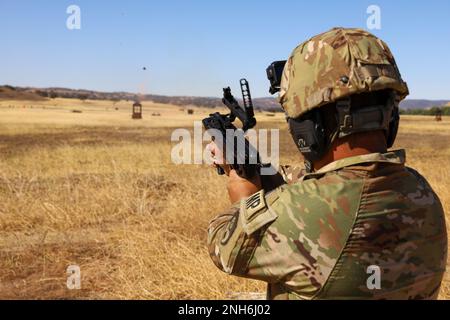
(274, 73)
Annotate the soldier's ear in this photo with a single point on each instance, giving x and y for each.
(393, 126)
(309, 136)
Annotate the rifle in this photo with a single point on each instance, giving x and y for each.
(224, 122)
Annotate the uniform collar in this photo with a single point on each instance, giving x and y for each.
(395, 156)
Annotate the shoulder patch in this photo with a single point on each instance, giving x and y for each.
(256, 213)
(231, 227)
(253, 204)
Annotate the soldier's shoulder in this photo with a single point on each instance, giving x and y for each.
(320, 189)
(303, 203)
(309, 203)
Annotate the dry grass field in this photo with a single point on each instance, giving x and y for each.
(99, 190)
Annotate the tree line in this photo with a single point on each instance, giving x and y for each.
(445, 111)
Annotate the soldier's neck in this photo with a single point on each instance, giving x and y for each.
(354, 145)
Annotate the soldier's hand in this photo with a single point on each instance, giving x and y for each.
(218, 156)
(238, 187)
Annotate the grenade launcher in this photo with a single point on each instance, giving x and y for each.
(246, 159)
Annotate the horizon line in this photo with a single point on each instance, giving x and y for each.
(164, 95)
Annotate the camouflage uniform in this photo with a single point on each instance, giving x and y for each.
(316, 238)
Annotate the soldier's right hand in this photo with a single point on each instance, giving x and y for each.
(218, 157)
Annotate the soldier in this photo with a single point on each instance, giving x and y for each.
(359, 212)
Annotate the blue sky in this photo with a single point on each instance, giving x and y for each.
(197, 47)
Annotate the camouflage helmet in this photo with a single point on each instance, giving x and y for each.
(334, 65)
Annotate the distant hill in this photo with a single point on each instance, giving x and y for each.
(27, 93)
(408, 104)
(268, 104)
(11, 93)
(422, 104)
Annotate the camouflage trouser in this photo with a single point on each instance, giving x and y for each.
(276, 291)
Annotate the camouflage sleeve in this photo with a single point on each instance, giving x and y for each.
(234, 235)
(288, 237)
